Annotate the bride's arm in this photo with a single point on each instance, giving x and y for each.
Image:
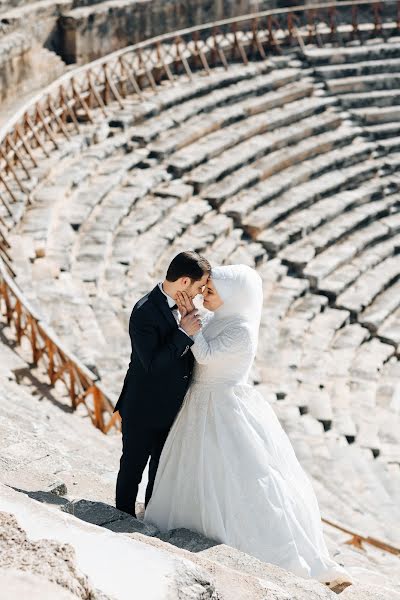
(231, 340)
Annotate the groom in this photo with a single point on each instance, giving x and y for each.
(158, 374)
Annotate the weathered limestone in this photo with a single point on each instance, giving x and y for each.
(26, 62)
(91, 31)
(113, 564)
(255, 165)
(366, 81)
(23, 585)
(54, 562)
(303, 251)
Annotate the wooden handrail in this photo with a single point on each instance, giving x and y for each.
(57, 107)
(358, 539)
(56, 110)
(83, 386)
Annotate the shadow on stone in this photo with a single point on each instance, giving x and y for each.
(105, 515)
(187, 540)
(42, 496)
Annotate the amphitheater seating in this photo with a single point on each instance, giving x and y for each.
(71, 462)
(310, 187)
(289, 165)
(366, 81)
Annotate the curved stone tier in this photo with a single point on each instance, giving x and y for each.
(257, 164)
(280, 164)
(57, 459)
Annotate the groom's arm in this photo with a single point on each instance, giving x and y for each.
(145, 340)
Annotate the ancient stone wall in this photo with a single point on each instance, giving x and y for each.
(32, 34)
(28, 38)
(88, 32)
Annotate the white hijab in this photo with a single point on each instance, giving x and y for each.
(240, 288)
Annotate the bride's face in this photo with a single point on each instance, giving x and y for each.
(212, 300)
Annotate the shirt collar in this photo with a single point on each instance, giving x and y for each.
(171, 301)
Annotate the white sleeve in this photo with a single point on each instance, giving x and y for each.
(229, 341)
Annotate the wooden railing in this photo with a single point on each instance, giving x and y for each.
(83, 386)
(359, 539)
(57, 111)
(60, 107)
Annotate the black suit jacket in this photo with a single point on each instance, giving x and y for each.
(161, 364)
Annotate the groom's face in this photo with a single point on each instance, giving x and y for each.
(192, 288)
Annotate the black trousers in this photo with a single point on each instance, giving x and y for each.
(139, 443)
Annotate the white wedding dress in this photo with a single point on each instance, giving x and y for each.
(228, 469)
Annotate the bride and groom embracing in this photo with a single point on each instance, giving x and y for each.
(220, 461)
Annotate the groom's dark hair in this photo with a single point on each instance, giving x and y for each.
(188, 264)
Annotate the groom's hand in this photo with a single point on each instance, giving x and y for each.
(184, 303)
(191, 323)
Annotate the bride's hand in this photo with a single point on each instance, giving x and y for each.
(184, 303)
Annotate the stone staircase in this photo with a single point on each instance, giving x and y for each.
(52, 460)
(28, 61)
(366, 81)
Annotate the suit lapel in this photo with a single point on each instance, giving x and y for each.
(161, 302)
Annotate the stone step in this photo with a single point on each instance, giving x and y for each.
(302, 222)
(167, 96)
(244, 202)
(352, 54)
(199, 236)
(370, 67)
(204, 124)
(377, 114)
(366, 83)
(43, 444)
(278, 301)
(383, 131)
(381, 308)
(359, 240)
(73, 321)
(363, 292)
(389, 330)
(383, 98)
(237, 100)
(350, 337)
(305, 195)
(301, 252)
(339, 254)
(149, 210)
(389, 146)
(213, 145)
(254, 149)
(96, 235)
(35, 535)
(251, 254)
(87, 197)
(276, 161)
(342, 277)
(220, 250)
(369, 360)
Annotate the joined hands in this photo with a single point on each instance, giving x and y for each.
(190, 320)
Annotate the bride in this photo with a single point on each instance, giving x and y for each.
(228, 470)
